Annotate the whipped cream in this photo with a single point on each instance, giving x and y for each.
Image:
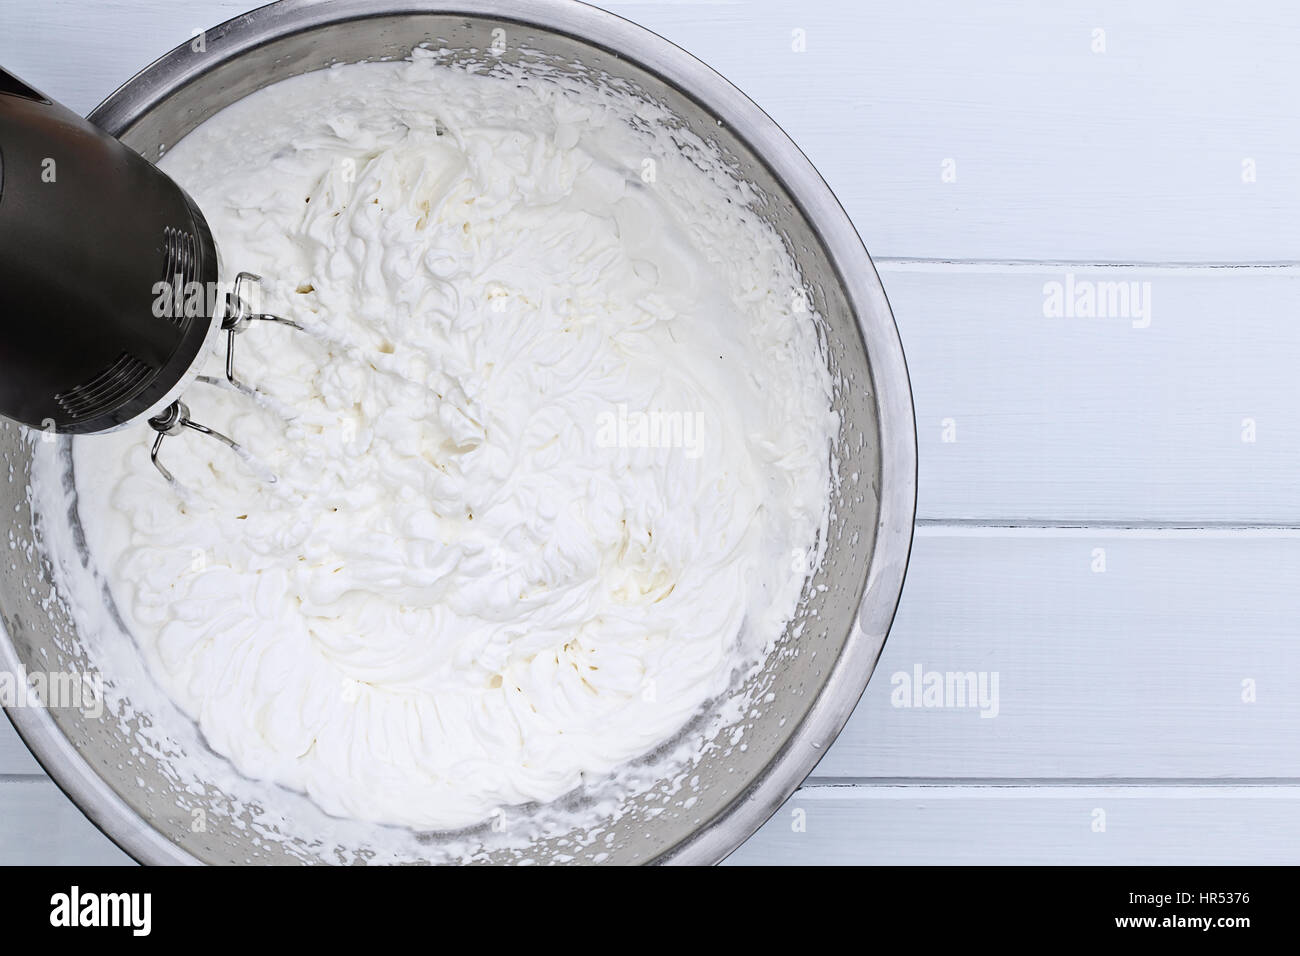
(552, 457)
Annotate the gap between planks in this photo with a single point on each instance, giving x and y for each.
(1089, 527)
(1175, 790)
(977, 266)
(1059, 786)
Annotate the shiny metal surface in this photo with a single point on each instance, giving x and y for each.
(847, 622)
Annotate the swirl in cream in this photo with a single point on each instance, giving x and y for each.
(549, 455)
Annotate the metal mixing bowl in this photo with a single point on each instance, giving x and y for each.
(133, 798)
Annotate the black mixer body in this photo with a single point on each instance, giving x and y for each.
(107, 272)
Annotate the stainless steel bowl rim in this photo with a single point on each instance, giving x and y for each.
(896, 424)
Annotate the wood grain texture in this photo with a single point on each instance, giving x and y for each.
(1134, 154)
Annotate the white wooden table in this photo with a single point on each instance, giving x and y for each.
(1109, 513)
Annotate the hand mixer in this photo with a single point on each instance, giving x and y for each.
(108, 273)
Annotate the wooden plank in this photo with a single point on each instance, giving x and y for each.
(869, 825)
(1060, 153)
(112, 40)
(14, 756)
(39, 825)
(1181, 408)
(1031, 825)
(1133, 672)
(1027, 417)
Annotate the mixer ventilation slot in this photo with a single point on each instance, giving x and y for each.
(181, 267)
(106, 390)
